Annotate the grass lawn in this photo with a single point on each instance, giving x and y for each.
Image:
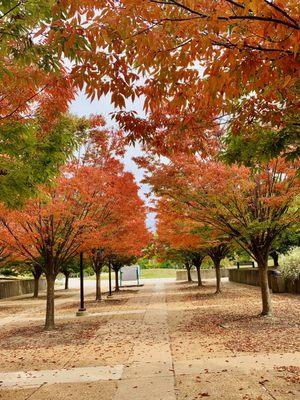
(147, 274)
(158, 273)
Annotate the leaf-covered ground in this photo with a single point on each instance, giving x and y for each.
(199, 326)
(228, 323)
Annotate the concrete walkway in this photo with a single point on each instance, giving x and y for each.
(150, 373)
(31, 379)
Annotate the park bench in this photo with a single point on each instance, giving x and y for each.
(239, 263)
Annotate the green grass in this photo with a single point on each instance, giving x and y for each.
(158, 273)
(146, 274)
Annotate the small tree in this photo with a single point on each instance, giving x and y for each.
(69, 268)
(37, 271)
(197, 259)
(217, 253)
(283, 244)
(98, 259)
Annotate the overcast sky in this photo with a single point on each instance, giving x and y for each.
(83, 107)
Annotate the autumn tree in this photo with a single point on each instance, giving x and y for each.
(124, 234)
(35, 91)
(177, 240)
(127, 240)
(253, 207)
(198, 61)
(217, 253)
(190, 239)
(54, 229)
(122, 239)
(208, 60)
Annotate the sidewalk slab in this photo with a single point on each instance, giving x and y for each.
(242, 363)
(150, 388)
(27, 379)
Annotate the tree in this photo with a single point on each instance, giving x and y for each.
(199, 62)
(176, 240)
(252, 206)
(283, 243)
(19, 22)
(37, 273)
(124, 233)
(223, 58)
(217, 253)
(127, 240)
(69, 268)
(13, 266)
(197, 259)
(35, 91)
(55, 228)
(98, 259)
(263, 144)
(189, 239)
(27, 161)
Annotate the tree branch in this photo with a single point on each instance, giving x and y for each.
(281, 11)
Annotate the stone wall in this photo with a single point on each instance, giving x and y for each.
(181, 275)
(10, 288)
(250, 276)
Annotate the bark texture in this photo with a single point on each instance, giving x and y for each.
(98, 286)
(117, 288)
(188, 270)
(36, 287)
(67, 281)
(275, 257)
(199, 275)
(218, 277)
(265, 290)
(49, 323)
(36, 272)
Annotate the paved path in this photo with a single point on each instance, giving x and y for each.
(150, 373)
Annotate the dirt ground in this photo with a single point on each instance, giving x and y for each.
(172, 341)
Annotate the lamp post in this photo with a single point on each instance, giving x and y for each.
(82, 310)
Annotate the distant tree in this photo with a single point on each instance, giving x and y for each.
(283, 244)
(71, 267)
(188, 240)
(98, 259)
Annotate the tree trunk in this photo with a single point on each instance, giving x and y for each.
(189, 275)
(117, 289)
(275, 257)
(36, 287)
(98, 285)
(265, 290)
(67, 281)
(49, 323)
(36, 272)
(218, 277)
(199, 276)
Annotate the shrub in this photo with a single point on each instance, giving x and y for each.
(290, 266)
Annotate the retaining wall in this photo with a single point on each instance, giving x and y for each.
(10, 288)
(277, 283)
(181, 275)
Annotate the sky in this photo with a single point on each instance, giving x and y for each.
(84, 107)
